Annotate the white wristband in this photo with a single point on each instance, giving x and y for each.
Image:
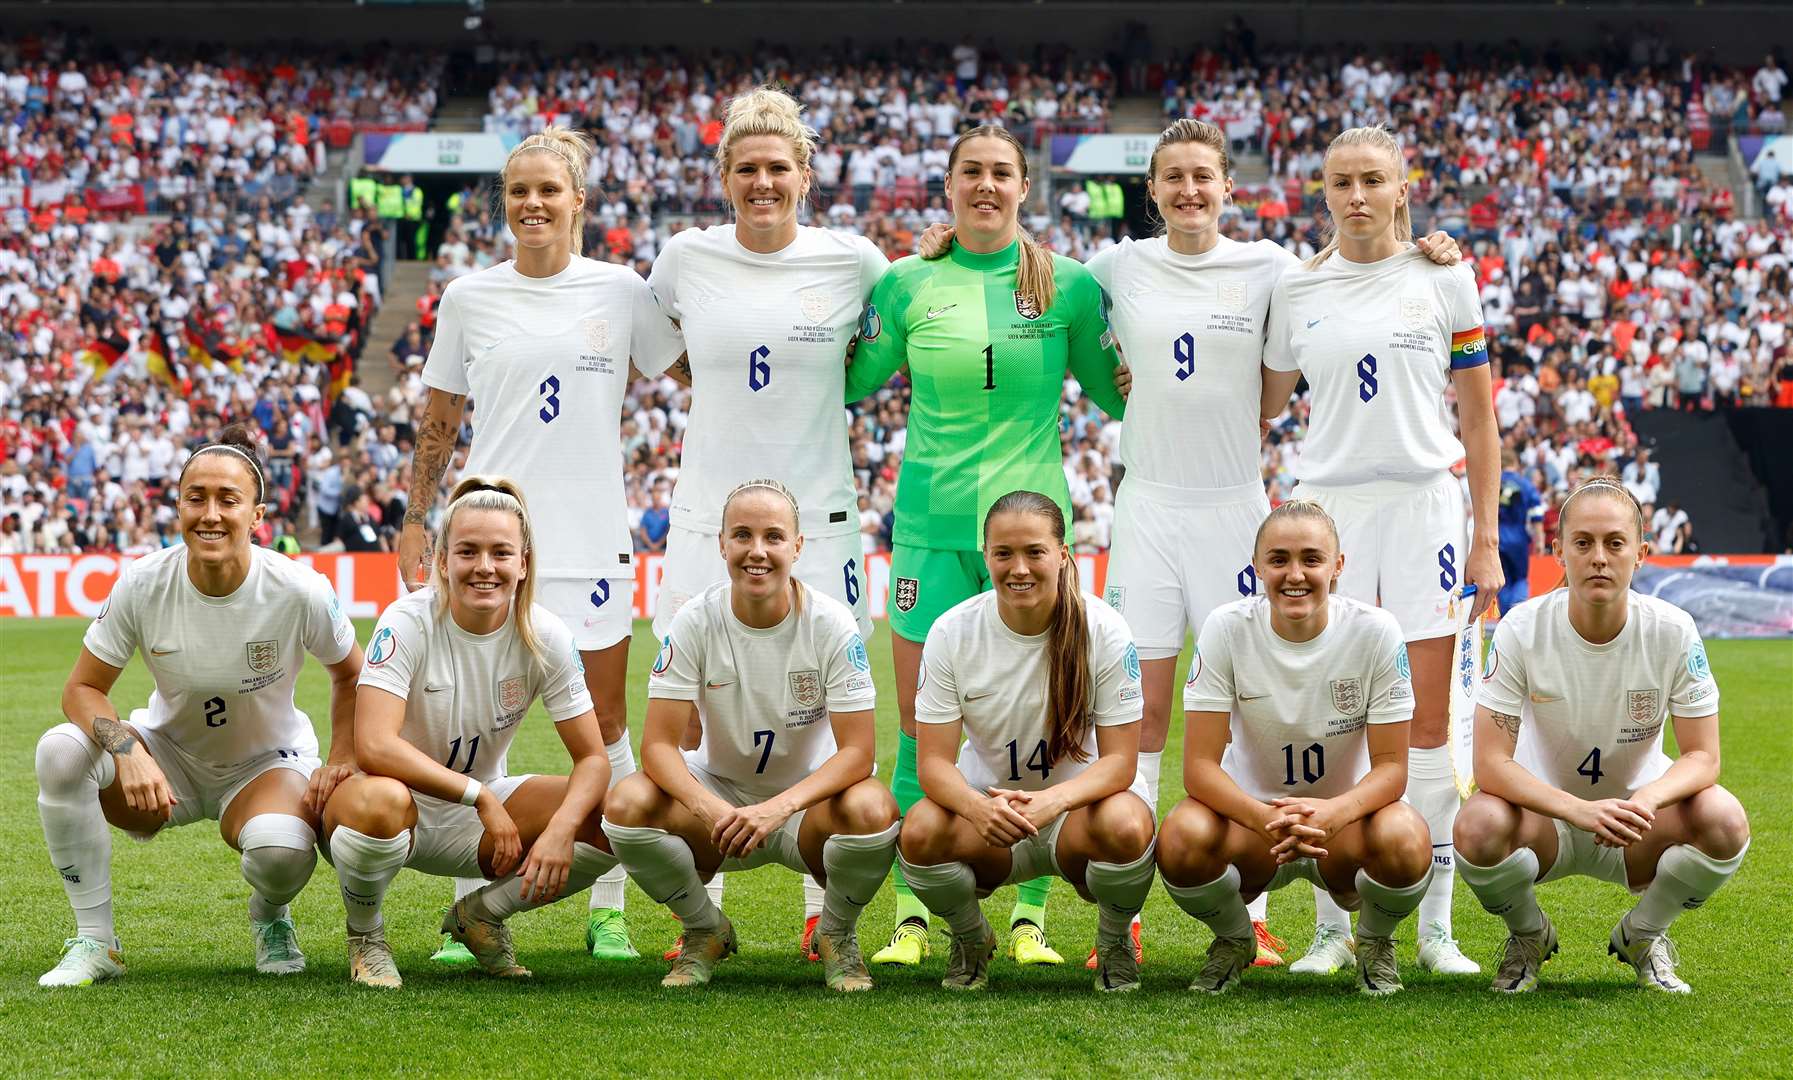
(471, 795)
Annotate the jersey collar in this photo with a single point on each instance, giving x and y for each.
(995, 260)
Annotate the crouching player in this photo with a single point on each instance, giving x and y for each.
(1315, 694)
(779, 679)
(1568, 754)
(451, 672)
(1043, 681)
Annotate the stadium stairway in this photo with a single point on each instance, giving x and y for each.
(1142, 115)
(1707, 470)
(460, 114)
(410, 280)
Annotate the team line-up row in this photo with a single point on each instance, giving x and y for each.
(1029, 707)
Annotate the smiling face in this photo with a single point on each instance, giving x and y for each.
(1364, 184)
(1600, 546)
(1024, 556)
(759, 542)
(483, 562)
(218, 510)
(540, 203)
(765, 184)
(986, 187)
(1298, 562)
(1190, 187)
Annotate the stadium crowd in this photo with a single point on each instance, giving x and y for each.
(1614, 278)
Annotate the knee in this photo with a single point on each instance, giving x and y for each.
(632, 802)
(1486, 829)
(866, 807)
(1123, 828)
(924, 840)
(374, 805)
(1398, 846)
(65, 758)
(1719, 825)
(1189, 845)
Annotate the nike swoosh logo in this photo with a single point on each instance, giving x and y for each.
(1315, 322)
(937, 312)
(434, 689)
(162, 652)
(1252, 697)
(715, 685)
(979, 697)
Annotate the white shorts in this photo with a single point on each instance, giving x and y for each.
(832, 565)
(445, 841)
(202, 790)
(781, 847)
(599, 611)
(1579, 854)
(1307, 870)
(1405, 547)
(1033, 856)
(1178, 554)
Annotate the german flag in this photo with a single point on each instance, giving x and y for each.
(164, 365)
(206, 345)
(102, 352)
(342, 368)
(302, 344)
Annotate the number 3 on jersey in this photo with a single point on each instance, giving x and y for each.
(550, 391)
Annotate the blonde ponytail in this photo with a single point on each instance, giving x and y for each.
(574, 149)
(1381, 138)
(492, 493)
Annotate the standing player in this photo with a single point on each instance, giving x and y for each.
(1296, 757)
(1521, 513)
(777, 675)
(767, 308)
(1042, 683)
(450, 675)
(544, 344)
(223, 627)
(1569, 761)
(988, 334)
(1381, 334)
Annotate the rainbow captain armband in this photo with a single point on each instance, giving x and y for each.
(1468, 348)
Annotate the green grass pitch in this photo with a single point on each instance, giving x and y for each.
(192, 1005)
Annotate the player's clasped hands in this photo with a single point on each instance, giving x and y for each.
(1002, 820)
(1614, 822)
(740, 830)
(1301, 828)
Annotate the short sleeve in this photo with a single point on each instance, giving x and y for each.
(396, 654)
(937, 695)
(446, 368)
(654, 341)
(677, 673)
(329, 635)
(1463, 304)
(847, 670)
(663, 279)
(883, 339)
(1693, 693)
(112, 636)
(1391, 679)
(1503, 672)
(563, 690)
(1118, 698)
(1103, 264)
(1278, 356)
(1209, 687)
(1090, 348)
(872, 265)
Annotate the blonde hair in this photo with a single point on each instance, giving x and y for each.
(1381, 138)
(1033, 277)
(1068, 678)
(1606, 487)
(574, 149)
(1298, 510)
(767, 484)
(492, 493)
(766, 110)
(1192, 131)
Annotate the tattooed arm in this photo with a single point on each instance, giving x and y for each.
(1614, 822)
(86, 705)
(436, 436)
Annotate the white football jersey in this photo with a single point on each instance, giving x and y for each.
(224, 666)
(1191, 328)
(1377, 343)
(764, 696)
(466, 693)
(766, 336)
(1299, 709)
(1591, 715)
(546, 361)
(976, 670)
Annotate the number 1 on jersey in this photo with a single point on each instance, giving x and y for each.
(989, 367)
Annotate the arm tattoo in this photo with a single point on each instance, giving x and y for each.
(682, 370)
(112, 736)
(1507, 723)
(435, 445)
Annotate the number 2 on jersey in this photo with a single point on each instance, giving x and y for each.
(214, 712)
(1036, 761)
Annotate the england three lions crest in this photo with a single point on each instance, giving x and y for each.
(907, 590)
(815, 304)
(597, 334)
(1643, 705)
(806, 687)
(1347, 696)
(510, 694)
(1233, 295)
(1026, 306)
(1416, 312)
(264, 656)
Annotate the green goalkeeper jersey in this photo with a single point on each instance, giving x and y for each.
(987, 370)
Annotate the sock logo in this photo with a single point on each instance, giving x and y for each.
(69, 875)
